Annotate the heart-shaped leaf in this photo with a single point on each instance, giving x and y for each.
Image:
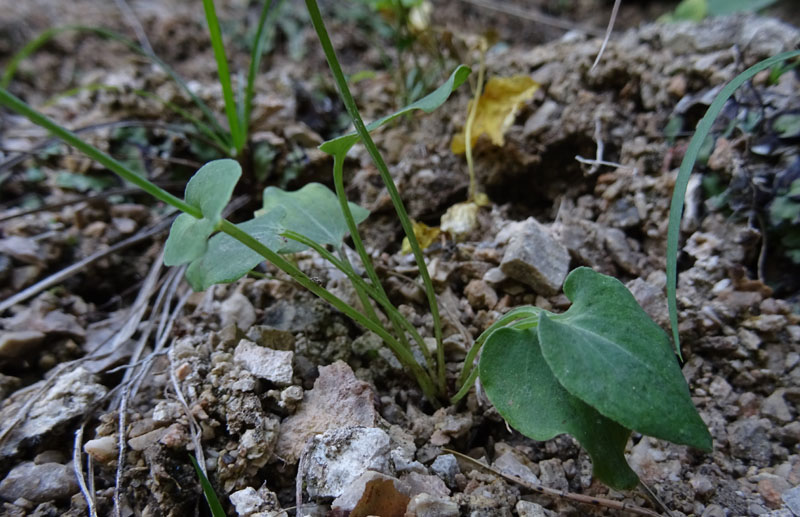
(340, 145)
(314, 212)
(227, 260)
(606, 351)
(209, 190)
(521, 386)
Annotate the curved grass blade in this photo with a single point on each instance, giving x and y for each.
(208, 491)
(689, 159)
(201, 126)
(49, 34)
(255, 59)
(214, 32)
(340, 145)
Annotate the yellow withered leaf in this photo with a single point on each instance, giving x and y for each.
(497, 107)
(425, 236)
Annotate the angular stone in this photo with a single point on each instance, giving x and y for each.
(427, 505)
(71, 395)
(535, 258)
(354, 492)
(237, 309)
(337, 400)
(446, 467)
(749, 440)
(791, 498)
(776, 408)
(39, 483)
(265, 363)
(337, 458)
(530, 509)
(20, 343)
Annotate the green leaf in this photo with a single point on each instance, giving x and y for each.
(227, 260)
(314, 212)
(340, 145)
(724, 7)
(208, 490)
(682, 181)
(521, 386)
(787, 125)
(607, 351)
(209, 190)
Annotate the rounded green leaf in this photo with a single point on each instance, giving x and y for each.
(211, 187)
(606, 351)
(521, 386)
(314, 212)
(209, 190)
(187, 239)
(227, 260)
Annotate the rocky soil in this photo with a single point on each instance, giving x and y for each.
(282, 398)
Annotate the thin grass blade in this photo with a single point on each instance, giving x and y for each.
(689, 159)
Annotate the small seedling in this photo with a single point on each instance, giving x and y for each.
(597, 371)
(231, 142)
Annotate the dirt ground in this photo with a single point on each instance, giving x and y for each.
(276, 393)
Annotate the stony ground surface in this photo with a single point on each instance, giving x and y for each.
(266, 385)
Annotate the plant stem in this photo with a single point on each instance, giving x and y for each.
(255, 62)
(404, 355)
(49, 34)
(366, 261)
(515, 314)
(473, 185)
(17, 105)
(224, 75)
(352, 110)
(401, 324)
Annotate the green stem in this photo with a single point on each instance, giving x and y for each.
(405, 356)
(255, 63)
(473, 185)
(224, 75)
(362, 295)
(505, 319)
(366, 261)
(372, 149)
(378, 295)
(17, 105)
(465, 386)
(49, 34)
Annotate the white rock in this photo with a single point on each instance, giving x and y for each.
(536, 258)
(427, 505)
(530, 509)
(246, 501)
(237, 309)
(338, 457)
(103, 449)
(265, 363)
(70, 396)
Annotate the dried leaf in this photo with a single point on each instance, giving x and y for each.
(460, 219)
(425, 236)
(497, 107)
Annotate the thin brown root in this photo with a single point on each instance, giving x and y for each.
(570, 496)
